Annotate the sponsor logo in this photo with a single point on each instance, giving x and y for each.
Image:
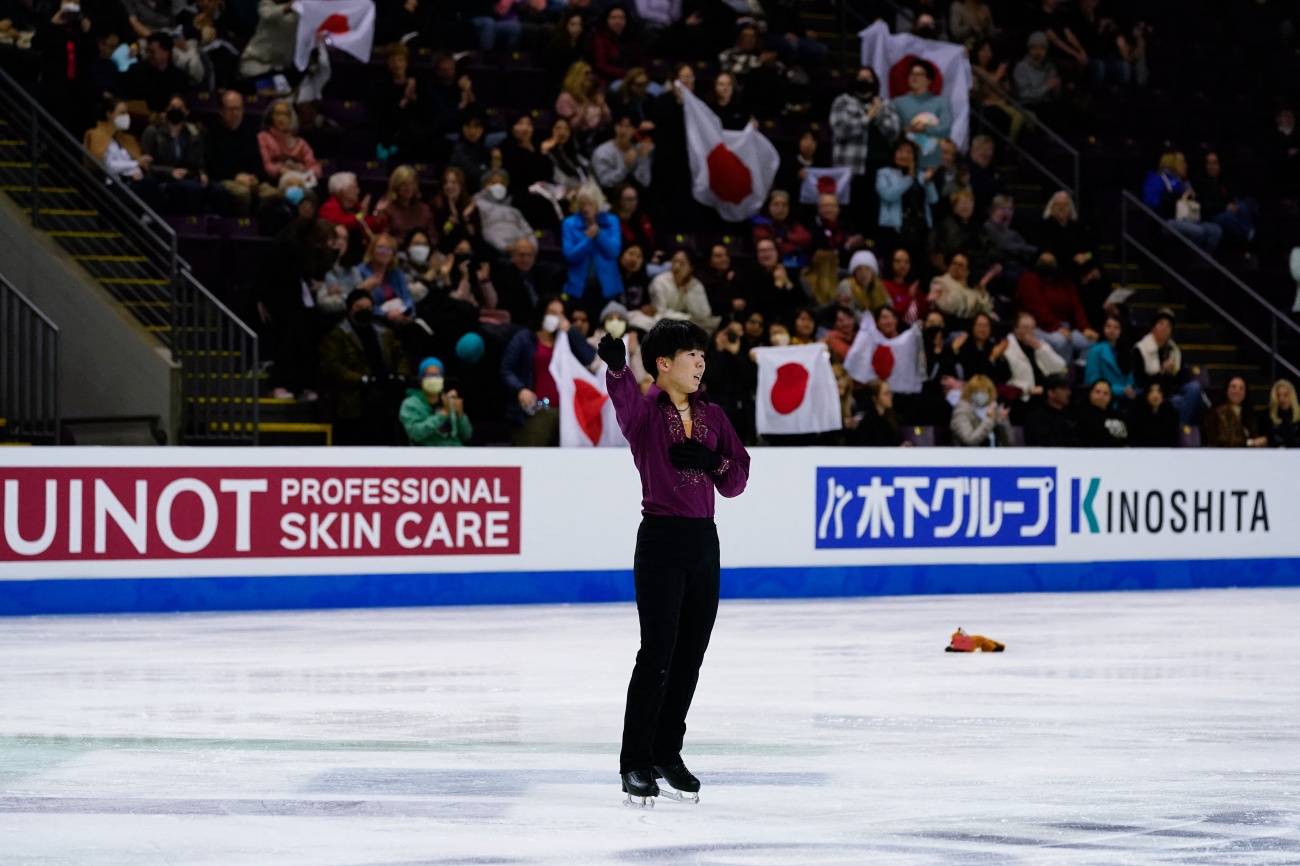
(1153, 512)
(935, 507)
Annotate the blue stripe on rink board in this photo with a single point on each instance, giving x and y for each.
(145, 595)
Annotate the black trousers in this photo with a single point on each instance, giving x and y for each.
(676, 570)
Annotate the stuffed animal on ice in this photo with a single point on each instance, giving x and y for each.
(971, 643)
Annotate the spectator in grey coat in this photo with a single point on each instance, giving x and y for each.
(623, 158)
(1036, 79)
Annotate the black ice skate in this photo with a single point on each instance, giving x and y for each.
(640, 784)
(685, 787)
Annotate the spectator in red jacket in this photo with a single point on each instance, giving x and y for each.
(347, 208)
(612, 53)
(1053, 300)
(792, 240)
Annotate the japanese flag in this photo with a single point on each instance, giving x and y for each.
(587, 417)
(348, 25)
(796, 390)
(890, 55)
(732, 171)
(823, 180)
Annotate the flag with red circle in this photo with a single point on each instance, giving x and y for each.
(797, 392)
(732, 170)
(348, 25)
(587, 417)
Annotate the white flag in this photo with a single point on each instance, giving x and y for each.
(796, 390)
(823, 180)
(889, 55)
(732, 170)
(587, 418)
(898, 360)
(348, 25)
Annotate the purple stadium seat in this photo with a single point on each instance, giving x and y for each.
(1189, 437)
(921, 437)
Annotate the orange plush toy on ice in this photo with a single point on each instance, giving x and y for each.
(970, 643)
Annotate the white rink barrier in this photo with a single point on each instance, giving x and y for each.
(134, 529)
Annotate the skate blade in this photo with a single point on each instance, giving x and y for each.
(680, 796)
(640, 802)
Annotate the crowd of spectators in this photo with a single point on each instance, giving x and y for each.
(439, 282)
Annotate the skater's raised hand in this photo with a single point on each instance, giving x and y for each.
(612, 352)
(693, 454)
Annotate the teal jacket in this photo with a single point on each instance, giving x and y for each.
(426, 425)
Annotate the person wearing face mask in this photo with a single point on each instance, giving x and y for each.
(111, 142)
(613, 321)
(533, 407)
(977, 419)
(363, 364)
(433, 415)
(864, 128)
(501, 222)
(341, 279)
(1052, 299)
(176, 148)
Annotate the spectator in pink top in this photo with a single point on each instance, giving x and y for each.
(582, 100)
(283, 151)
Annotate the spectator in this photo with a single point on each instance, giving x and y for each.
(1157, 358)
(992, 84)
(1221, 204)
(743, 57)
(432, 414)
(470, 153)
(726, 103)
(905, 198)
(1100, 425)
(881, 352)
(970, 21)
(612, 53)
(636, 282)
(1006, 245)
(447, 97)
(978, 420)
(878, 426)
(1049, 424)
(1037, 82)
(774, 222)
(976, 352)
(582, 100)
(423, 266)
(1110, 360)
(386, 282)
(234, 159)
(985, 181)
(953, 296)
(678, 294)
(1232, 424)
(341, 280)
(1064, 235)
(566, 47)
(348, 208)
(155, 79)
(613, 321)
(109, 142)
(286, 156)
(526, 166)
(1167, 192)
(795, 165)
(755, 332)
(959, 231)
(839, 339)
(1027, 362)
(496, 24)
(500, 222)
(147, 17)
(1111, 58)
(861, 291)
(455, 214)
(300, 254)
(571, 167)
(1054, 303)
(622, 158)
(533, 408)
(926, 115)
(772, 291)
(402, 207)
(177, 160)
(272, 47)
(1282, 154)
(671, 161)
(1281, 426)
(635, 99)
(1066, 49)
(395, 103)
(904, 290)
(1153, 421)
(363, 365)
(523, 281)
(952, 176)
(636, 226)
(803, 329)
(592, 240)
(722, 285)
(797, 44)
(832, 233)
(731, 378)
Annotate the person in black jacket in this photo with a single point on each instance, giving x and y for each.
(1100, 426)
(731, 379)
(522, 281)
(1281, 423)
(1153, 420)
(234, 159)
(878, 427)
(1049, 425)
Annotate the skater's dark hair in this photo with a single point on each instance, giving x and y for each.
(668, 339)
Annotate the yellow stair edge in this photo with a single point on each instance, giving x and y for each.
(277, 427)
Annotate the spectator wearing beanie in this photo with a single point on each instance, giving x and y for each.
(433, 415)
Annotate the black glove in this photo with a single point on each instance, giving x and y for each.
(612, 352)
(693, 454)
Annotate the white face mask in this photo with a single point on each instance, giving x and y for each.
(616, 328)
(122, 122)
(780, 339)
(418, 254)
(432, 385)
(550, 323)
(495, 191)
(980, 399)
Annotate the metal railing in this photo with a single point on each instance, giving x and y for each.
(101, 222)
(29, 369)
(1135, 215)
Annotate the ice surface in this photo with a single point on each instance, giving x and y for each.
(1117, 728)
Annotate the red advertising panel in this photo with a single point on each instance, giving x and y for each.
(53, 514)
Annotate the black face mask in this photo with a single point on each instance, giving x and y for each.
(363, 316)
(175, 116)
(867, 90)
(926, 32)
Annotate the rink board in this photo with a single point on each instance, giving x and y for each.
(123, 529)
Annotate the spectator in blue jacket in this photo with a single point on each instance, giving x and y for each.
(383, 278)
(1109, 360)
(906, 193)
(1165, 189)
(592, 240)
(533, 409)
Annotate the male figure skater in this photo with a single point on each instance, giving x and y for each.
(684, 447)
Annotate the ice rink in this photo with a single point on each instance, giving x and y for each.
(1117, 728)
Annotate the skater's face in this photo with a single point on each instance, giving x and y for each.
(682, 373)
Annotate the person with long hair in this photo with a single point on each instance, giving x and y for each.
(906, 195)
(978, 421)
(382, 276)
(526, 165)
(1111, 360)
(402, 205)
(878, 426)
(582, 100)
(455, 216)
(976, 352)
(775, 222)
(613, 53)
(567, 46)
(1152, 420)
(1100, 424)
(1168, 192)
(571, 166)
(904, 289)
(1233, 424)
(727, 104)
(1282, 424)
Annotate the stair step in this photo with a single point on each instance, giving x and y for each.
(277, 428)
(1231, 366)
(63, 211)
(95, 257)
(134, 281)
(27, 188)
(262, 401)
(64, 233)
